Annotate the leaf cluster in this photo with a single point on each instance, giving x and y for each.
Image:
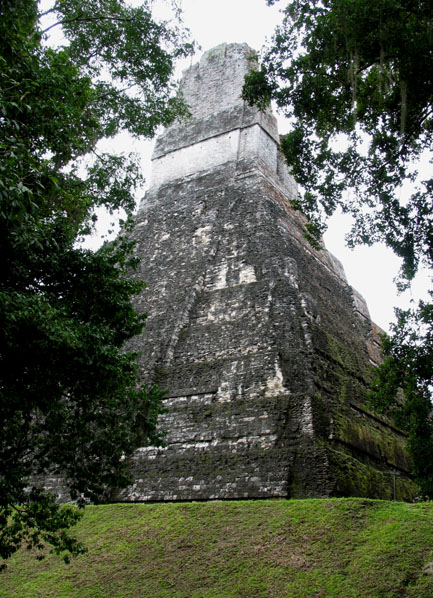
(354, 78)
(72, 403)
(402, 387)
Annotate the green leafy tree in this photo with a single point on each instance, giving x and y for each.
(354, 78)
(403, 387)
(71, 401)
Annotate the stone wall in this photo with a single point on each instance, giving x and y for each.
(265, 349)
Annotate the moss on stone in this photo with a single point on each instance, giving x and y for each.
(348, 357)
(388, 447)
(358, 479)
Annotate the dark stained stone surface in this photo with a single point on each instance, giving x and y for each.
(265, 349)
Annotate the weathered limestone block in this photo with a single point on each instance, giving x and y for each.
(265, 349)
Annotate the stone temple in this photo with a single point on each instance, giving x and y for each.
(264, 347)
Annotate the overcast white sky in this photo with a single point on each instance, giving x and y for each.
(369, 270)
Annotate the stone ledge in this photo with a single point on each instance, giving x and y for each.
(194, 131)
(187, 392)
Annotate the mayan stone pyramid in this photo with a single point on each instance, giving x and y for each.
(264, 347)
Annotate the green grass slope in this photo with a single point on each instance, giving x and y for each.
(343, 548)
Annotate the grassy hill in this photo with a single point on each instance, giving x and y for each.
(343, 548)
